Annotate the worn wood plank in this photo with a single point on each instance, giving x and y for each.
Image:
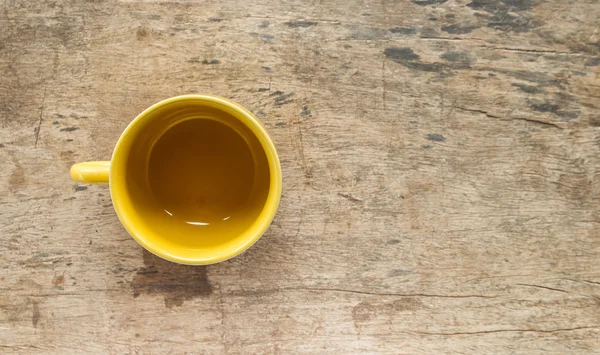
(440, 164)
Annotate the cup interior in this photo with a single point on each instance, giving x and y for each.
(193, 179)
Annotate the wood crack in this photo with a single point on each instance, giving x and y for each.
(476, 111)
(39, 127)
(583, 281)
(537, 121)
(511, 331)
(528, 119)
(544, 287)
(439, 38)
(386, 294)
(526, 50)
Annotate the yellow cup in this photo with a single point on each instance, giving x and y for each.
(195, 179)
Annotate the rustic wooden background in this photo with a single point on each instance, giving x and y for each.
(440, 162)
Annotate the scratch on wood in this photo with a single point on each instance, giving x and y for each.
(530, 51)
(349, 197)
(391, 294)
(383, 93)
(298, 228)
(533, 120)
(300, 146)
(583, 281)
(39, 127)
(307, 173)
(513, 331)
(544, 287)
(223, 327)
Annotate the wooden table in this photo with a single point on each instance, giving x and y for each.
(441, 176)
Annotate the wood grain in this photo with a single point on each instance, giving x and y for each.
(440, 162)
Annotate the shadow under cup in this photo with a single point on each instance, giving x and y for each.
(196, 181)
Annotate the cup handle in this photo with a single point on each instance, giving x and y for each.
(91, 172)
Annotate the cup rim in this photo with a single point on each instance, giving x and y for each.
(266, 216)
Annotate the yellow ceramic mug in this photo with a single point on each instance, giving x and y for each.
(194, 179)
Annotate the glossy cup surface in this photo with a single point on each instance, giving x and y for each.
(195, 179)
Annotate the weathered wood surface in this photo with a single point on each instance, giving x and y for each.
(440, 161)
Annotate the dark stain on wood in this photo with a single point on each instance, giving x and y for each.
(305, 111)
(69, 129)
(266, 37)
(562, 105)
(427, 2)
(595, 121)
(281, 98)
(496, 5)
(401, 54)
(68, 156)
(403, 30)
(457, 57)
(35, 314)
(435, 137)
(58, 280)
(592, 62)
(365, 33)
(545, 107)
(528, 88)
(363, 312)
(542, 79)
(211, 62)
(428, 32)
(176, 282)
(399, 272)
(568, 115)
(408, 58)
(458, 60)
(459, 28)
(300, 24)
(407, 304)
(142, 33)
(506, 15)
(17, 178)
(503, 21)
